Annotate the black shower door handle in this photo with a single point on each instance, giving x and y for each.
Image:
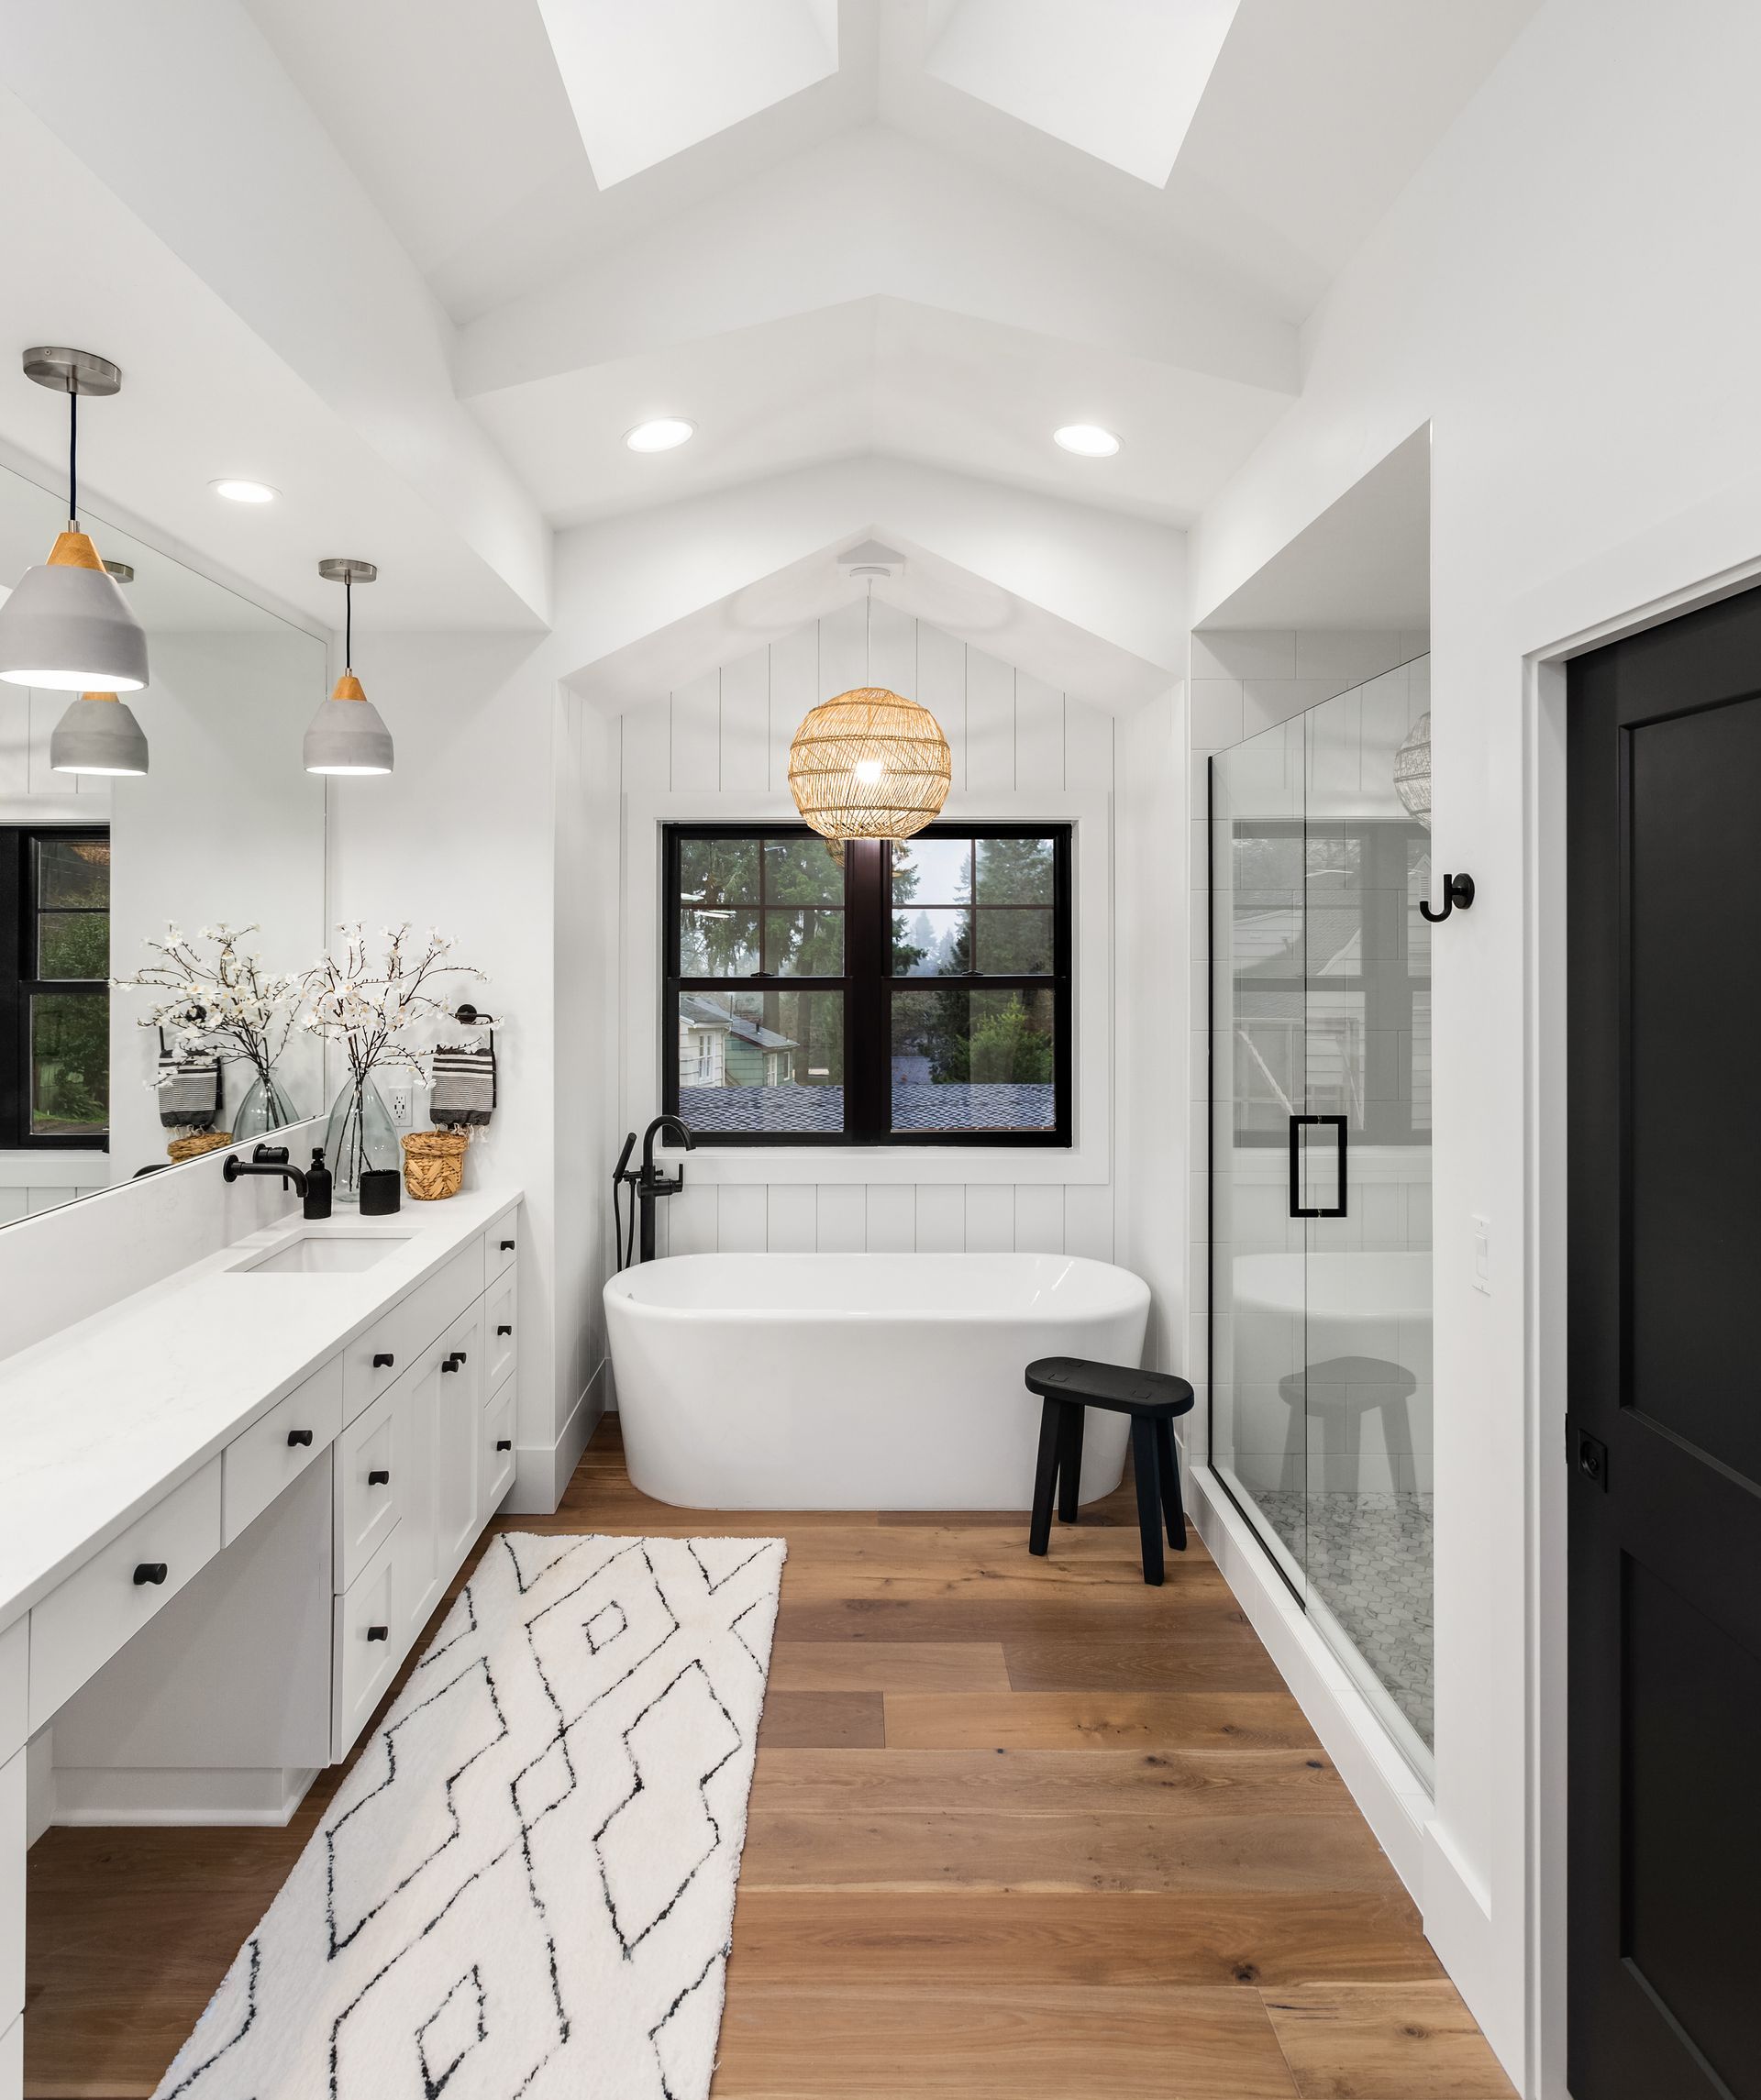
(1297, 1206)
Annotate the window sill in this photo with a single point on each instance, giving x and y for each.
(892, 1164)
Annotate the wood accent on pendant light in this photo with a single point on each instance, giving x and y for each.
(73, 549)
(870, 727)
(349, 687)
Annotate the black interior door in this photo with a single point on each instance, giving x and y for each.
(1664, 1436)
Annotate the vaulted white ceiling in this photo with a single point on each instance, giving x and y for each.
(420, 264)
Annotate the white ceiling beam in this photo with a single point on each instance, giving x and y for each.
(875, 214)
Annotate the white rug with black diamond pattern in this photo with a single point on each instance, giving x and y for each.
(524, 1886)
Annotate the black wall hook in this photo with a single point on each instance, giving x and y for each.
(1457, 896)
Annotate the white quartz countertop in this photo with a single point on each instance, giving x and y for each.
(99, 1422)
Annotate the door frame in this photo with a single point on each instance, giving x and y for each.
(1546, 1070)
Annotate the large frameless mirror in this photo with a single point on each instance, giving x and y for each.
(225, 830)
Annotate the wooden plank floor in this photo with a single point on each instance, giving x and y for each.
(1019, 1830)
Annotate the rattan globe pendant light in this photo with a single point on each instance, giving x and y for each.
(870, 763)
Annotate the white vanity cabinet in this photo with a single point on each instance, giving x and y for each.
(207, 1660)
(14, 1720)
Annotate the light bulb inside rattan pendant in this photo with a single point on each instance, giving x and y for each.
(869, 764)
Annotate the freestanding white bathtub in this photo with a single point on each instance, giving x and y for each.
(858, 1381)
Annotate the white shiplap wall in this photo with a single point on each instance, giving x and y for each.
(1012, 737)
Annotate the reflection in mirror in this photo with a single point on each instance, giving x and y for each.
(225, 829)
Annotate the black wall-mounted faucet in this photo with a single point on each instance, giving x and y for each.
(266, 1159)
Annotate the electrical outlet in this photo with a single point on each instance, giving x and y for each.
(397, 1099)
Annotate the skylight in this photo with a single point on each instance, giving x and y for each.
(1120, 79)
(648, 78)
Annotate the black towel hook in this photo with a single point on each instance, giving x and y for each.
(1457, 896)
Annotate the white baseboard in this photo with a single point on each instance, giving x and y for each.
(158, 1797)
(542, 1472)
(1394, 1802)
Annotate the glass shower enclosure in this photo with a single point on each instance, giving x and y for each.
(1320, 1187)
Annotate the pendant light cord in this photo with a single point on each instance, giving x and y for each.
(73, 454)
(347, 623)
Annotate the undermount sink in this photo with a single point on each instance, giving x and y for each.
(315, 1253)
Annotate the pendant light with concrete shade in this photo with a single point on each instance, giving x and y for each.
(870, 763)
(348, 734)
(66, 627)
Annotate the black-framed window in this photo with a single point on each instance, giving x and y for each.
(54, 987)
(913, 993)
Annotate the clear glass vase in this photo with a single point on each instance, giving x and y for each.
(359, 1135)
(264, 1107)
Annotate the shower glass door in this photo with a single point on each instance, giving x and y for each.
(1321, 1182)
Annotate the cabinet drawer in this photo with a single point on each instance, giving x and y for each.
(501, 1327)
(15, 1688)
(373, 1362)
(434, 1306)
(502, 1245)
(495, 1463)
(77, 1628)
(367, 1647)
(373, 1481)
(12, 1889)
(273, 1452)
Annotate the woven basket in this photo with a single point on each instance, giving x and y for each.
(434, 1164)
(196, 1144)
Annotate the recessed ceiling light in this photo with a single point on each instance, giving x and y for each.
(661, 435)
(245, 492)
(1087, 438)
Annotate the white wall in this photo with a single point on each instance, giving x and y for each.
(1021, 748)
(462, 837)
(1556, 293)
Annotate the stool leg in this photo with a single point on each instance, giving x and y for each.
(1051, 1432)
(1169, 1467)
(1069, 1461)
(1144, 1467)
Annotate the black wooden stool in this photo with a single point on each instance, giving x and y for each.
(1152, 1399)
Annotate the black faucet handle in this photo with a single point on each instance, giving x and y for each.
(271, 1154)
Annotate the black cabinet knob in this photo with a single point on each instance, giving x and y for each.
(458, 1356)
(379, 1633)
(452, 1364)
(504, 1443)
(384, 1363)
(379, 1477)
(299, 1436)
(504, 1330)
(507, 1246)
(150, 1571)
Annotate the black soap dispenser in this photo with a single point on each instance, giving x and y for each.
(317, 1186)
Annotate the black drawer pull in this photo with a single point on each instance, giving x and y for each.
(150, 1571)
(384, 1363)
(504, 1443)
(379, 1633)
(507, 1246)
(458, 1356)
(299, 1436)
(379, 1477)
(504, 1330)
(452, 1364)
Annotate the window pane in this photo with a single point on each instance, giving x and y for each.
(1013, 943)
(803, 871)
(936, 943)
(74, 871)
(804, 944)
(973, 1060)
(932, 871)
(718, 944)
(73, 944)
(70, 1063)
(1015, 871)
(762, 1061)
(717, 871)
